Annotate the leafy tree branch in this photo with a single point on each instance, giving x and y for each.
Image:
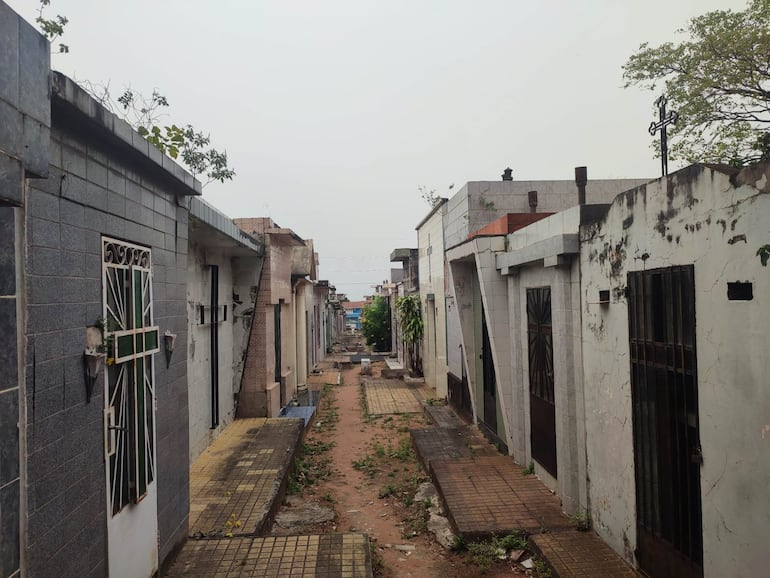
(183, 143)
(718, 79)
(52, 28)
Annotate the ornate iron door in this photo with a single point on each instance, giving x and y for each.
(664, 395)
(541, 392)
(131, 340)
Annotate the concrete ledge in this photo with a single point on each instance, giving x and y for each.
(388, 373)
(73, 107)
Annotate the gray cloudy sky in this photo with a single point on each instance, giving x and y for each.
(333, 112)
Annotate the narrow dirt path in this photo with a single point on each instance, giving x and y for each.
(364, 468)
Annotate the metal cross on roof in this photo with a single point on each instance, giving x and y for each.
(663, 122)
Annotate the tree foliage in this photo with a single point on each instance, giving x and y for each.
(183, 143)
(718, 79)
(190, 146)
(375, 324)
(52, 28)
(408, 309)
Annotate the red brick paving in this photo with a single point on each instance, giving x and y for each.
(486, 495)
(573, 554)
(491, 495)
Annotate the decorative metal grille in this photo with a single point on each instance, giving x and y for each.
(664, 392)
(540, 343)
(542, 402)
(131, 340)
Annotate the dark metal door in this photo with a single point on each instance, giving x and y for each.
(541, 395)
(490, 381)
(214, 308)
(664, 393)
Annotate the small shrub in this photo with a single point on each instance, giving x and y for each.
(581, 520)
(530, 469)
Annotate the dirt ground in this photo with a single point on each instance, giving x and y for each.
(363, 467)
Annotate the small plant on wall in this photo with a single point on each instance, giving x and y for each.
(410, 318)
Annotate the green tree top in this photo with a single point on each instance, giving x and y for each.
(375, 324)
(719, 82)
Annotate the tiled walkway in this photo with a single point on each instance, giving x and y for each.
(581, 554)
(234, 483)
(236, 486)
(490, 496)
(316, 556)
(487, 494)
(388, 396)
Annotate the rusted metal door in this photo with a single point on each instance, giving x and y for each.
(490, 380)
(664, 390)
(541, 394)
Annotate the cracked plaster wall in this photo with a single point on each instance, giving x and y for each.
(695, 216)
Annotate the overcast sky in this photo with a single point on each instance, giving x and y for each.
(333, 113)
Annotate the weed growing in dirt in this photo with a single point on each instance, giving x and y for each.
(514, 541)
(366, 465)
(483, 555)
(403, 451)
(377, 565)
(415, 521)
(387, 491)
(310, 466)
(486, 553)
(327, 414)
(540, 568)
(529, 470)
(368, 418)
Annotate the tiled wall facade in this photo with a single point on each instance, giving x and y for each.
(91, 193)
(25, 119)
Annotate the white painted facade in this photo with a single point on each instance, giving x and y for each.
(544, 254)
(715, 221)
(430, 245)
(478, 203)
(215, 242)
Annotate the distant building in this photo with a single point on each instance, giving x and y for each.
(353, 311)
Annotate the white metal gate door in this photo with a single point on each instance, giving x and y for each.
(129, 424)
